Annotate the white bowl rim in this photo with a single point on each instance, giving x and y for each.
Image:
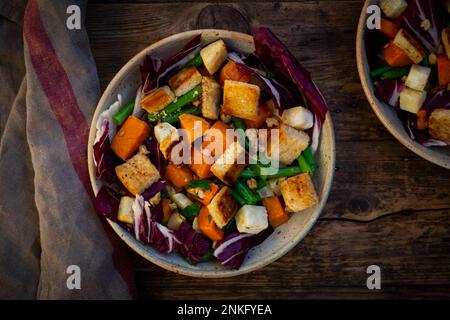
(199, 273)
(426, 153)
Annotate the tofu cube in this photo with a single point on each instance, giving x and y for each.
(299, 193)
(410, 46)
(222, 207)
(446, 40)
(125, 213)
(210, 98)
(175, 221)
(137, 174)
(412, 100)
(157, 99)
(214, 55)
(252, 219)
(185, 80)
(241, 99)
(167, 135)
(439, 125)
(418, 77)
(393, 8)
(291, 142)
(299, 118)
(230, 164)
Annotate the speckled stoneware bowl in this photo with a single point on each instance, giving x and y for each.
(285, 237)
(386, 114)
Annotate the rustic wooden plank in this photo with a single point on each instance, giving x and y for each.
(331, 262)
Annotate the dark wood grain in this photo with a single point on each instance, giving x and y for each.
(387, 207)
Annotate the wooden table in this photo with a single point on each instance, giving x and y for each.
(387, 207)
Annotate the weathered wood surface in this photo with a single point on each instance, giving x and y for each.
(387, 207)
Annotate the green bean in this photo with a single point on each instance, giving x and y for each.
(395, 73)
(191, 211)
(123, 113)
(197, 61)
(240, 126)
(378, 72)
(248, 173)
(193, 94)
(175, 117)
(236, 195)
(303, 164)
(247, 194)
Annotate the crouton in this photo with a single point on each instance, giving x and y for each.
(185, 80)
(167, 135)
(412, 100)
(240, 99)
(222, 207)
(439, 125)
(446, 40)
(393, 8)
(299, 193)
(299, 118)
(157, 99)
(137, 174)
(213, 55)
(230, 164)
(410, 46)
(125, 213)
(418, 77)
(210, 98)
(291, 142)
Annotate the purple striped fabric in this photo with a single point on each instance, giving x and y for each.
(59, 94)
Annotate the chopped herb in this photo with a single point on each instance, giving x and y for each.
(191, 211)
(203, 184)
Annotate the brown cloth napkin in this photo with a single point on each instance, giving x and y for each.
(48, 91)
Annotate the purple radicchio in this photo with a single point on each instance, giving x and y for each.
(154, 72)
(195, 245)
(424, 20)
(439, 99)
(389, 90)
(155, 154)
(275, 56)
(149, 231)
(232, 249)
(105, 159)
(421, 136)
(106, 203)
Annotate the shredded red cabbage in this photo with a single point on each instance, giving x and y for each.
(104, 158)
(276, 56)
(419, 11)
(195, 245)
(106, 203)
(389, 90)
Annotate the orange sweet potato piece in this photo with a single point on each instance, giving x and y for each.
(130, 136)
(179, 176)
(275, 211)
(207, 226)
(231, 71)
(443, 63)
(191, 124)
(396, 57)
(204, 195)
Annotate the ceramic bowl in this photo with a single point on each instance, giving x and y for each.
(126, 82)
(384, 112)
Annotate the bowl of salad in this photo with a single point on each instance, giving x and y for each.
(211, 152)
(404, 66)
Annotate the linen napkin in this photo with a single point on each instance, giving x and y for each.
(53, 245)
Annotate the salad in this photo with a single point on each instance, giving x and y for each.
(410, 66)
(179, 165)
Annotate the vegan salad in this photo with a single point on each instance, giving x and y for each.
(215, 209)
(410, 66)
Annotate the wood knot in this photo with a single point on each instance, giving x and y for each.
(222, 17)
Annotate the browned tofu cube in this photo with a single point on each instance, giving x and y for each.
(185, 80)
(241, 99)
(210, 98)
(291, 142)
(439, 125)
(299, 193)
(137, 174)
(158, 99)
(222, 207)
(230, 164)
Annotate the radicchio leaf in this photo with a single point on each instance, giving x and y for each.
(154, 72)
(418, 14)
(155, 155)
(149, 231)
(195, 245)
(153, 189)
(439, 99)
(106, 203)
(389, 90)
(105, 159)
(421, 136)
(276, 56)
(232, 249)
